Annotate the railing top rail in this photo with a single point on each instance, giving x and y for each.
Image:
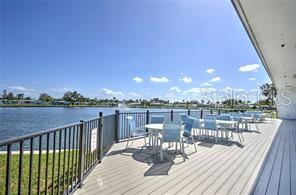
(98, 117)
(35, 134)
(144, 112)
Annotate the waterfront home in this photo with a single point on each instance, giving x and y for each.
(60, 102)
(37, 102)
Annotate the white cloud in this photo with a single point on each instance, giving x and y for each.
(18, 88)
(249, 68)
(252, 79)
(207, 84)
(255, 90)
(21, 88)
(159, 79)
(199, 91)
(111, 93)
(134, 95)
(210, 70)
(64, 89)
(215, 79)
(231, 89)
(227, 89)
(138, 79)
(175, 90)
(186, 79)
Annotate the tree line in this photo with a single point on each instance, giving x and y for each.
(268, 90)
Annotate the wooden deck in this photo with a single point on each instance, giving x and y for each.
(231, 168)
(278, 174)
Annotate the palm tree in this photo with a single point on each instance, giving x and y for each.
(269, 91)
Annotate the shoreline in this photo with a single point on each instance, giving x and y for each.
(98, 106)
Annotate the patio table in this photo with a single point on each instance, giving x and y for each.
(248, 119)
(224, 124)
(154, 130)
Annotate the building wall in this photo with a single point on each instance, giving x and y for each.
(286, 103)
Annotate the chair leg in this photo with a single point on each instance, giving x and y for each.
(161, 151)
(145, 140)
(176, 147)
(242, 136)
(194, 144)
(183, 150)
(133, 139)
(238, 134)
(127, 142)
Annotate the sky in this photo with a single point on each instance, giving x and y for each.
(126, 49)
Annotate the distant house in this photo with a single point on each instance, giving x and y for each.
(39, 102)
(60, 103)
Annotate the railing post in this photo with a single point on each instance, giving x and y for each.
(100, 136)
(201, 113)
(172, 115)
(81, 153)
(147, 119)
(116, 126)
(188, 112)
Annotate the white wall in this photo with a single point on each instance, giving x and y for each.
(286, 103)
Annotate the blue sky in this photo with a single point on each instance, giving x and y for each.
(127, 49)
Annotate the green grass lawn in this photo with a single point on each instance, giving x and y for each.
(68, 155)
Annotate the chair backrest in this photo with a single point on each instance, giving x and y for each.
(211, 116)
(225, 117)
(156, 119)
(183, 117)
(188, 126)
(256, 114)
(196, 124)
(247, 114)
(210, 124)
(131, 123)
(237, 114)
(237, 118)
(171, 132)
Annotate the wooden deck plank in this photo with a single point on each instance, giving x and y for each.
(188, 181)
(262, 183)
(136, 186)
(137, 181)
(175, 172)
(274, 181)
(199, 160)
(285, 177)
(278, 172)
(247, 189)
(248, 175)
(227, 171)
(219, 169)
(293, 159)
(244, 166)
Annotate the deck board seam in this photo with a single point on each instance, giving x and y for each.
(277, 139)
(256, 147)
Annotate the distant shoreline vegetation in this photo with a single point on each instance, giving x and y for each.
(75, 99)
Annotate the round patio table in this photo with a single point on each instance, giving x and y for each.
(154, 130)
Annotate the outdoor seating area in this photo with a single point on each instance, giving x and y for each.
(213, 128)
(219, 154)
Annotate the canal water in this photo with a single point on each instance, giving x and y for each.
(19, 121)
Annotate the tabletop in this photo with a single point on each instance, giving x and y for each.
(156, 126)
(223, 122)
(248, 117)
